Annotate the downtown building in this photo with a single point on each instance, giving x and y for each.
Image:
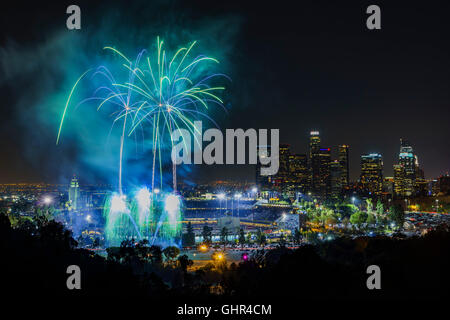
(344, 168)
(409, 178)
(319, 167)
(371, 178)
(298, 172)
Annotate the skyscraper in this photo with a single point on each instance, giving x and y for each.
(372, 173)
(314, 161)
(74, 193)
(399, 177)
(408, 163)
(421, 185)
(283, 171)
(343, 165)
(298, 167)
(336, 181)
(324, 173)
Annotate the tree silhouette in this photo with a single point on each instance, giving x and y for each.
(207, 234)
(242, 239)
(189, 236)
(224, 235)
(171, 253)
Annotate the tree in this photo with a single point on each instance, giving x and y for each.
(184, 262)
(96, 242)
(380, 208)
(224, 235)
(171, 253)
(282, 240)
(207, 234)
(189, 236)
(260, 237)
(397, 215)
(331, 220)
(358, 218)
(371, 219)
(249, 237)
(155, 254)
(297, 236)
(242, 239)
(369, 205)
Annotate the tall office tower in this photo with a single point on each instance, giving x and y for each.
(299, 171)
(421, 185)
(407, 160)
(324, 172)
(336, 181)
(444, 185)
(372, 173)
(399, 181)
(283, 171)
(343, 165)
(74, 193)
(264, 183)
(314, 161)
(433, 187)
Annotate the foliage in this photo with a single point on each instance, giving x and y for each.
(242, 239)
(207, 234)
(224, 235)
(358, 218)
(397, 215)
(171, 253)
(189, 236)
(260, 237)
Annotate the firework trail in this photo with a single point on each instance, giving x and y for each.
(161, 93)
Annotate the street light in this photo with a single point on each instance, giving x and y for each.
(218, 256)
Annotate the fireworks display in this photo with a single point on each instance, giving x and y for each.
(150, 96)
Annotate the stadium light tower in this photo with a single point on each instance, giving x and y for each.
(221, 196)
(238, 196)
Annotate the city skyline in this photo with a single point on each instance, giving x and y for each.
(337, 78)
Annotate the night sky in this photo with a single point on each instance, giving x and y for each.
(297, 66)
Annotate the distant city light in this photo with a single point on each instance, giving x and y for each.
(88, 218)
(156, 191)
(238, 195)
(221, 196)
(255, 190)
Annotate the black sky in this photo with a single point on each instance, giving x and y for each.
(297, 66)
